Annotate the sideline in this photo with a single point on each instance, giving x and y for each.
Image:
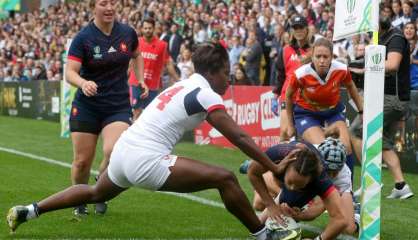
(188, 196)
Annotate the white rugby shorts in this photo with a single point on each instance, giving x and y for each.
(135, 166)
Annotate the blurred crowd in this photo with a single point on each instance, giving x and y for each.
(32, 45)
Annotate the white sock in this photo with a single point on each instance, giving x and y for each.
(260, 235)
(31, 214)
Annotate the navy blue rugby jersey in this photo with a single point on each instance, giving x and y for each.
(320, 186)
(105, 60)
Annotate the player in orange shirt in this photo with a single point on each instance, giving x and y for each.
(155, 54)
(317, 101)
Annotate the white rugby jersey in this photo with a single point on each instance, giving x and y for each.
(177, 109)
(343, 180)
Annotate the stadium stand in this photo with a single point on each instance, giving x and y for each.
(32, 45)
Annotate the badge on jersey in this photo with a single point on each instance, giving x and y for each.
(123, 47)
(97, 54)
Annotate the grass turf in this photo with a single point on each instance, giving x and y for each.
(138, 213)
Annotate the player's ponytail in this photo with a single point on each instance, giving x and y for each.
(307, 163)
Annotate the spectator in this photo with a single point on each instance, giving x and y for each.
(252, 57)
(240, 77)
(276, 47)
(185, 65)
(397, 13)
(407, 7)
(174, 41)
(235, 51)
(411, 34)
(199, 34)
(42, 34)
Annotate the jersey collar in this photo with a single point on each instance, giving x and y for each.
(200, 79)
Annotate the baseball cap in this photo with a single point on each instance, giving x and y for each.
(298, 21)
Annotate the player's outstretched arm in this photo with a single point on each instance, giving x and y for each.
(223, 123)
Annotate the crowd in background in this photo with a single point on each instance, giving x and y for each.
(32, 45)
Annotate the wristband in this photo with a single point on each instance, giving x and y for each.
(360, 112)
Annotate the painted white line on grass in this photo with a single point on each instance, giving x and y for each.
(197, 199)
(182, 195)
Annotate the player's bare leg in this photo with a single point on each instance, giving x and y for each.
(73, 196)
(190, 176)
(84, 148)
(110, 134)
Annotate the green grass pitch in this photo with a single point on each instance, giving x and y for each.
(139, 214)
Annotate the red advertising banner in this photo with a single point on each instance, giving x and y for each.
(250, 107)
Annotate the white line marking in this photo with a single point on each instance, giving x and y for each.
(191, 197)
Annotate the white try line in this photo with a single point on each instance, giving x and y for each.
(191, 197)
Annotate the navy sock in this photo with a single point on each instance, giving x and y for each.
(400, 185)
(36, 208)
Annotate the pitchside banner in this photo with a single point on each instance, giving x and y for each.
(355, 16)
(250, 107)
(34, 99)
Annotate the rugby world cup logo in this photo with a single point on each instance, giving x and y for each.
(377, 58)
(350, 4)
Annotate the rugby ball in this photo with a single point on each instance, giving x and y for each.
(291, 232)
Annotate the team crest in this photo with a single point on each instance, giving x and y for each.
(123, 47)
(74, 111)
(97, 54)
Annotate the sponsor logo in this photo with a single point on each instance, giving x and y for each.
(9, 97)
(294, 57)
(350, 4)
(150, 56)
(377, 58)
(97, 54)
(376, 63)
(268, 119)
(111, 49)
(310, 89)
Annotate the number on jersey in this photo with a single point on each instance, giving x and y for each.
(166, 96)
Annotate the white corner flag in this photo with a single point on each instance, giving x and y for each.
(355, 16)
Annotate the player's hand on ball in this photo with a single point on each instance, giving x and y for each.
(291, 212)
(274, 212)
(89, 88)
